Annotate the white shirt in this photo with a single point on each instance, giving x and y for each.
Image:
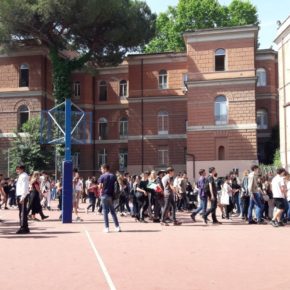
(22, 185)
(288, 190)
(277, 183)
(79, 185)
(227, 189)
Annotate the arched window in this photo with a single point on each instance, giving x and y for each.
(23, 116)
(123, 128)
(221, 153)
(163, 82)
(262, 119)
(123, 88)
(24, 75)
(103, 129)
(163, 122)
(261, 77)
(221, 110)
(220, 57)
(103, 91)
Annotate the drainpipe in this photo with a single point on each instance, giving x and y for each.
(94, 123)
(285, 105)
(193, 164)
(142, 115)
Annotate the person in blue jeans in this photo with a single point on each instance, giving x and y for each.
(255, 196)
(203, 198)
(107, 183)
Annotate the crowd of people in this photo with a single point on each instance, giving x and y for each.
(155, 196)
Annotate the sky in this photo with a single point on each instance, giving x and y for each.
(269, 12)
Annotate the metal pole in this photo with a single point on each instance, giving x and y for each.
(67, 156)
(67, 168)
(8, 161)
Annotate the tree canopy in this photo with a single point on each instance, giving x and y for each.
(27, 150)
(101, 31)
(198, 14)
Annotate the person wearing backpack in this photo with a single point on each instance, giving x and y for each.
(107, 187)
(211, 192)
(202, 196)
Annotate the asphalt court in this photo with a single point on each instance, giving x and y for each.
(233, 255)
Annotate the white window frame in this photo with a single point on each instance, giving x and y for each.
(123, 159)
(163, 156)
(163, 123)
(220, 52)
(23, 109)
(123, 88)
(219, 120)
(102, 157)
(123, 128)
(262, 115)
(23, 67)
(163, 79)
(103, 121)
(261, 74)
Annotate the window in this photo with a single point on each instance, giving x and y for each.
(123, 88)
(184, 82)
(163, 79)
(77, 90)
(221, 110)
(102, 157)
(103, 129)
(103, 91)
(24, 76)
(163, 123)
(123, 128)
(23, 116)
(123, 159)
(262, 119)
(220, 59)
(76, 159)
(261, 77)
(221, 153)
(163, 156)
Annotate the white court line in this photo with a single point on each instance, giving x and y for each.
(101, 263)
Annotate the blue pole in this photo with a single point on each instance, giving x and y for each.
(67, 168)
(67, 129)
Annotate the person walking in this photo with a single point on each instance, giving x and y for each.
(169, 192)
(255, 201)
(107, 183)
(279, 190)
(211, 192)
(202, 195)
(22, 193)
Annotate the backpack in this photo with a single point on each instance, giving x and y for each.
(206, 186)
(117, 191)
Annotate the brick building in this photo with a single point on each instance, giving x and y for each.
(214, 104)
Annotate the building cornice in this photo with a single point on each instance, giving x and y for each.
(157, 99)
(223, 82)
(157, 58)
(157, 137)
(222, 127)
(221, 34)
(21, 93)
(283, 31)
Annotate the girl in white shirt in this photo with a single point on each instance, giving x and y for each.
(227, 191)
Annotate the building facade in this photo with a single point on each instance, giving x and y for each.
(283, 44)
(213, 105)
